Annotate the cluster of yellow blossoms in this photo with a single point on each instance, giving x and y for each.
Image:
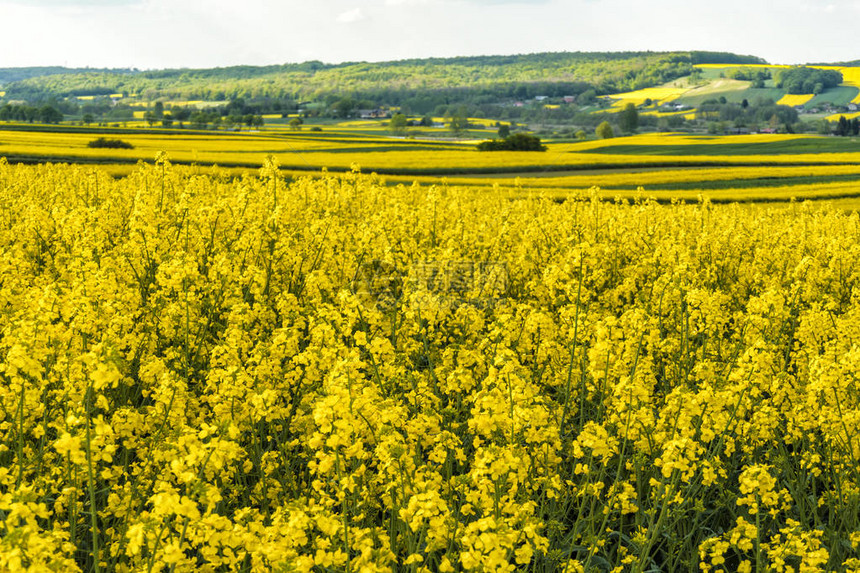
(208, 373)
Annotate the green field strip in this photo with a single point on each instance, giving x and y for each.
(701, 185)
(759, 183)
(780, 147)
(695, 196)
(106, 130)
(840, 96)
(375, 149)
(500, 171)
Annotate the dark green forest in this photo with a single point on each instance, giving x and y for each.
(421, 83)
(512, 88)
(10, 75)
(803, 80)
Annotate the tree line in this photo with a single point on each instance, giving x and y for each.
(390, 83)
(847, 127)
(803, 80)
(28, 113)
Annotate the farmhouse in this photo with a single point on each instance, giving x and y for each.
(377, 113)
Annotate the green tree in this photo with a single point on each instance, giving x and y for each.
(516, 142)
(398, 123)
(296, 123)
(198, 119)
(581, 135)
(773, 122)
(49, 114)
(459, 122)
(587, 97)
(628, 119)
(344, 107)
(803, 80)
(87, 119)
(504, 130)
(717, 127)
(237, 120)
(604, 131)
(181, 114)
(843, 128)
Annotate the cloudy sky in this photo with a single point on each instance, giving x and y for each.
(208, 33)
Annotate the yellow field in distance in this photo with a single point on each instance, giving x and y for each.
(836, 116)
(759, 66)
(658, 96)
(339, 150)
(851, 77)
(795, 99)
(725, 168)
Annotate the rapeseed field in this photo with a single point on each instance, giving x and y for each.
(217, 373)
(794, 100)
(338, 150)
(659, 96)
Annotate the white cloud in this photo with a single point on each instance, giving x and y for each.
(525, 2)
(209, 33)
(350, 16)
(74, 3)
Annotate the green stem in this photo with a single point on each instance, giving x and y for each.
(91, 485)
